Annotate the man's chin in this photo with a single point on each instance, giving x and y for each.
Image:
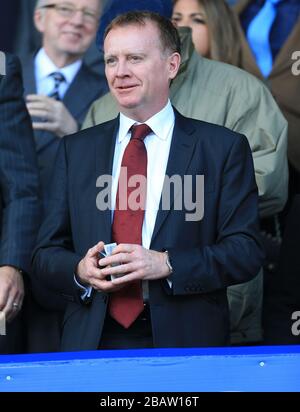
(76, 50)
(127, 103)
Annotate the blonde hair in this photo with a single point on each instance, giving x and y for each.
(222, 26)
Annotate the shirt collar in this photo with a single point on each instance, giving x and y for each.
(160, 123)
(44, 67)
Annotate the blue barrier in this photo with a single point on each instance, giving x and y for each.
(158, 370)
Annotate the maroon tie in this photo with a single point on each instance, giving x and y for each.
(126, 305)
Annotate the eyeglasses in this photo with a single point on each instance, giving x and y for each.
(68, 11)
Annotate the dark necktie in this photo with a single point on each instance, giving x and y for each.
(258, 35)
(126, 305)
(58, 79)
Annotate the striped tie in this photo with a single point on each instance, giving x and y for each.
(58, 79)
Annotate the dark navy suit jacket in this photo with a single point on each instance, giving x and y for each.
(83, 91)
(19, 189)
(19, 183)
(207, 256)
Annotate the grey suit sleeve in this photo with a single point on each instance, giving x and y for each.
(19, 182)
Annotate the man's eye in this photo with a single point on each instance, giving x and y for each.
(65, 9)
(135, 58)
(110, 61)
(90, 14)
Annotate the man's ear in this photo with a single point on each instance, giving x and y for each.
(38, 18)
(174, 64)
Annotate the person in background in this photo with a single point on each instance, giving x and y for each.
(165, 283)
(27, 39)
(270, 35)
(216, 34)
(19, 204)
(59, 87)
(214, 29)
(212, 91)
(270, 38)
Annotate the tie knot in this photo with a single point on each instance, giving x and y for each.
(140, 131)
(57, 77)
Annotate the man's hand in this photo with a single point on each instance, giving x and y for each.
(11, 291)
(88, 272)
(134, 262)
(57, 118)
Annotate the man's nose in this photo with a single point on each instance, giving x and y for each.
(77, 18)
(122, 68)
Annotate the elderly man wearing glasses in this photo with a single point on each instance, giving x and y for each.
(59, 87)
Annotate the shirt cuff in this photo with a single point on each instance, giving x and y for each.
(86, 291)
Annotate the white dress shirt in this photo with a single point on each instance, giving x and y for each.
(158, 147)
(43, 67)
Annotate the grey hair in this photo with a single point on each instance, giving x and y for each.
(40, 3)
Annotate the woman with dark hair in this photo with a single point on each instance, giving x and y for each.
(214, 28)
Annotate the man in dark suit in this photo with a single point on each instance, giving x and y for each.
(165, 283)
(59, 87)
(28, 39)
(19, 201)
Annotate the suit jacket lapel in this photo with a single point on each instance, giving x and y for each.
(28, 75)
(181, 152)
(89, 91)
(105, 138)
(41, 137)
(76, 104)
(247, 59)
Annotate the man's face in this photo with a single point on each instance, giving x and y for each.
(64, 34)
(137, 70)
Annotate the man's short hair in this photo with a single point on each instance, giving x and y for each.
(40, 3)
(169, 36)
